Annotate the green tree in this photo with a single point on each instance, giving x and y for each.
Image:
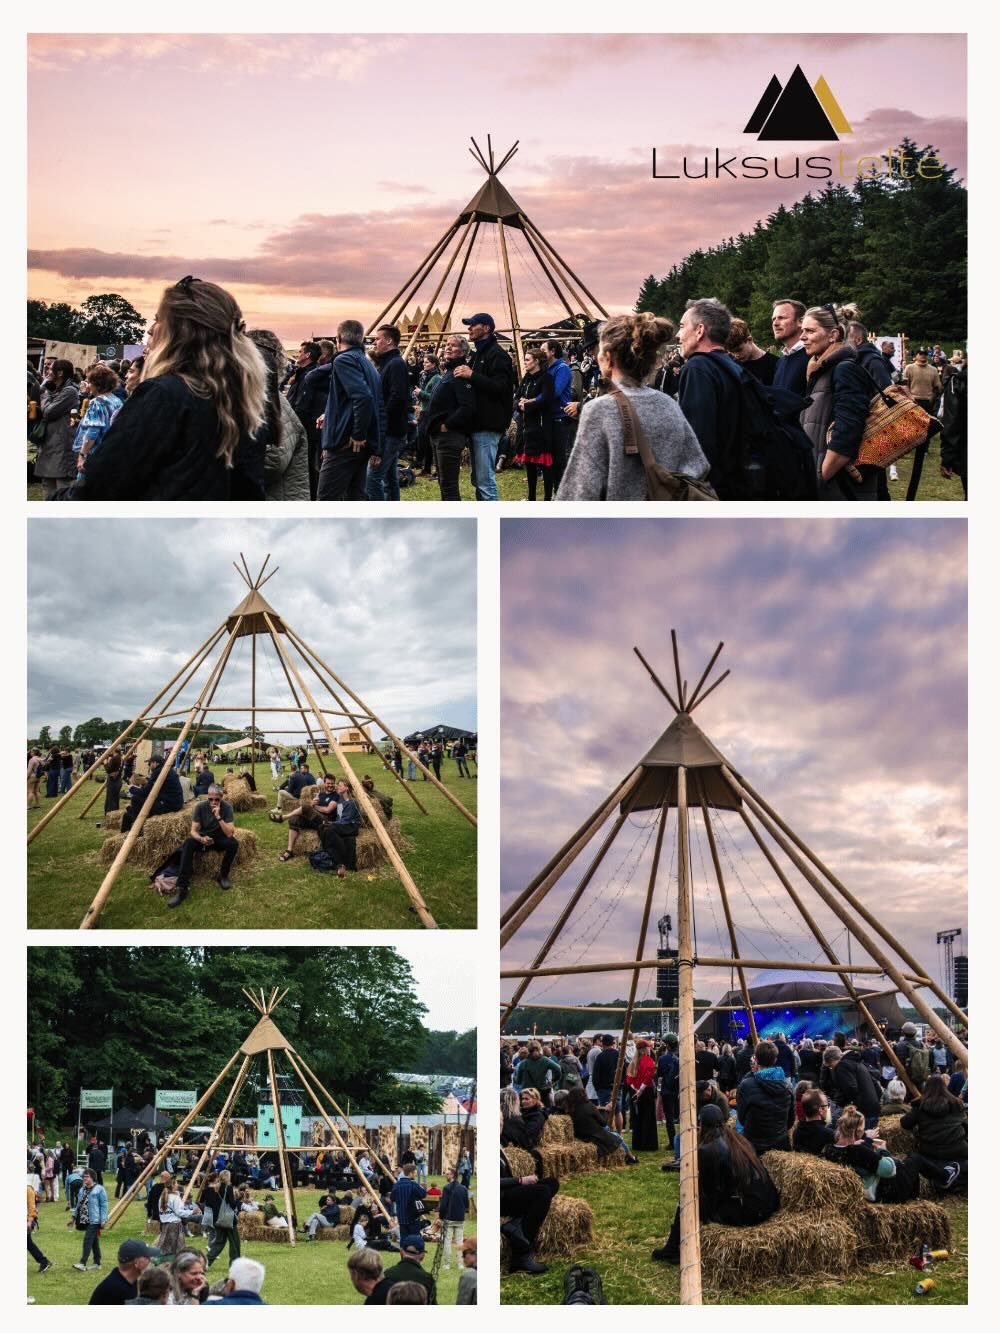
(45, 738)
(110, 318)
(65, 736)
(58, 321)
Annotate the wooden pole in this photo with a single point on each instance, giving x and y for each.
(374, 818)
(657, 682)
(570, 848)
(161, 1152)
(218, 1128)
(362, 727)
(94, 910)
(829, 951)
(340, 1141)
(515, 327)
(741, 974)
(690, 1276)
(714, 686)
(567, 271)
(446, 322)
(437, 290)
(253, 707)
(677, 667)
(279, 1130)
(870, 946)
(50, 814)
(640, 949)
(855, 903)
(782, 964)
(356, 1130)
(379, 723)
(693, 698)
(564, 915)
(706, 1009)
(408, 289)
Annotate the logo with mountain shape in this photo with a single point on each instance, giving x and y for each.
(798, 111)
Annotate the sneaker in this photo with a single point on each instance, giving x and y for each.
(341, 872)
(527, 1263)
(80, 1268)
(666, 1256)
(671, 1166)
(954, 1170)
(178, 897)
(44, 1268)
(224, 884)
(631, 1160)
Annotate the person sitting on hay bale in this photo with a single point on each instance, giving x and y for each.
(812, 1133)
(886, 1179)
(290, 791)
(213, 826)
(847, 1081)
(590, 1125)
(524, 1117)
(733, 1185)
(203, 777)
(309, 815)
(339, 837)
(895, 1099)
(169, 801)
(376, 796)
(940, 1126)
(765, 1108)
(327, 1215)
(525, 1201)
(273, 1217)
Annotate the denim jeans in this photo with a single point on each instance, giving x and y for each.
(383, 481)
(484, 459)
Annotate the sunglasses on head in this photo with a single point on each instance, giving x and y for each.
(185, 283)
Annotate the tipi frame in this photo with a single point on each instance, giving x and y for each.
(263, 1042)
(255, 618)
(493, 206)
(684, 771)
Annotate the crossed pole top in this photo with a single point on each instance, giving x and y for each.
(486, 160)
(688, 702)
(252, 614)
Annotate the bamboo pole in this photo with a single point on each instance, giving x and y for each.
(408, 289)
(253, 708)
(741, 974)
(356, 1130)
(340, 1141)
(374, 819)
(442, 333)
(640, 949)
(302, 711)
(831, 955)
(379, 723)
(518, 349)
(437, 290)
(714, 686)
(705, 1009)
(279, 1130)
(781, 964)
(218, 1127)
(567, 271)
(564, 915)
(362, 727)
(900, 979)
(693, 697)
(93, 911)
(677, 668)
(855, 903)
(690, 1276)
(50, 814)
(161, 1152)
(657, 682)
(559, 861)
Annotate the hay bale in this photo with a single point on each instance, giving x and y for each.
(334, 1233)
(787, 1245)
(894, 1230)
(554, 1160)
(253, 1227)
(113, 820)
(259, 802)
(164, 834)
(568, 1226)
(237, 792)
(898, 1140)
(558, 1129)
(370, 853)
(806, 1182)
(520, 1161)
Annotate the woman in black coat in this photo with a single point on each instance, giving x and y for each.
(840, 394)
(590, 1125)
(536, 405)
(939, 1123)
(217, 1192)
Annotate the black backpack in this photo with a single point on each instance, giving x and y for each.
(321, 861)
(777, 461)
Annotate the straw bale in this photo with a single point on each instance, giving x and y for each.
(554, 1160)
(333, 1233)
(894, 1230)
(259, 802)
(898, 1140)
(805, 1182)
(786, 1245)
(370, 853)
(164, 834)
(253, 1227)
(558, 1129)
(237, 792)
(520, 1161)
(568, 1226)
(113, 820)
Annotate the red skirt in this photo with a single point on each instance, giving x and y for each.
(540, 460)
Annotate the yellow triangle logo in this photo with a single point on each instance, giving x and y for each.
(831, 106)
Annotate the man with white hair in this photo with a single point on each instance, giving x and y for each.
(242, 1287)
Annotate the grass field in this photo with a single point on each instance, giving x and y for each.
(512, 483)
(64, 872)
(313, 1273)
(633, 1210)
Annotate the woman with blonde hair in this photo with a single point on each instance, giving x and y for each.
(599, 467)
(173, 1213)
(187, 432)
(839, 391)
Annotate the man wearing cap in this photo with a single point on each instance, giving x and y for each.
(168, 802)
(411, 1249)
(492, 378)
(120, 1284)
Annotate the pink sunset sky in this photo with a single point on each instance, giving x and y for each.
(310, 174)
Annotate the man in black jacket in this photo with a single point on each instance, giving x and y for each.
(169, 800)
(492, 378)
(765, 1106)
(846, 1080)
(451, 416)
(708, 393)
(383, 481)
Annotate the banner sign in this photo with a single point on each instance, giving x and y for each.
(96, 1099)
(175, 1101)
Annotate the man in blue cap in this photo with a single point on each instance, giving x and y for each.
(411, 1252)
(492, 378)
(134, 1257)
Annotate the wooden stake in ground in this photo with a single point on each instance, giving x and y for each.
(279, 1129)
(690, 1222)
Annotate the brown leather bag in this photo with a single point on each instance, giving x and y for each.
(661, 483)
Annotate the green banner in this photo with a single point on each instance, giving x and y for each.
(175, 1101)
(96, 1099)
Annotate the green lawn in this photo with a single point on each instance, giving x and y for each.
(633, 1209)
(313, 1273)
(64, 872)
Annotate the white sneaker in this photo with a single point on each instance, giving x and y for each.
(81, 1268)
(893, 473)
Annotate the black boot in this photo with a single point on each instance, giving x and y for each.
(527, 1263)
(178, 897)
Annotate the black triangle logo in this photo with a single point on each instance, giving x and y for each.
(797, 113)
(764, 107)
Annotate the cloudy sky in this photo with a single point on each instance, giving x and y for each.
(298, 170)
(846, 710)
(448, 992)
(115, 608)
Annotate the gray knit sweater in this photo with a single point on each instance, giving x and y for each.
(600, 469)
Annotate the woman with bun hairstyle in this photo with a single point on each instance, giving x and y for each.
(187, 431)
(599, 468)
(835, 418)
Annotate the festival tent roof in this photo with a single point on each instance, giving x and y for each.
(151, 1119)
(443, 731)
(122, 1119)
(256, 618)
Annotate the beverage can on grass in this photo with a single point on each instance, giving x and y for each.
(925, 1287)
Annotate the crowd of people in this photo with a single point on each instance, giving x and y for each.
(390, 1214)
(213, 411)
(824, 1097)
